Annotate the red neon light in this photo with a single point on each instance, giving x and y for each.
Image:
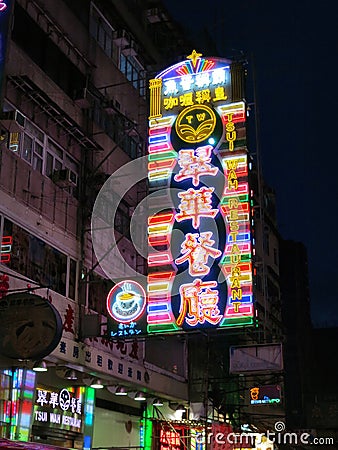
(160, 259)
(199, 303)
(161, 218)
(162, 276)
(196, 249)
(155, 241)
(243, 309)
(196, 204)
(242, 207)
(158, 165)
(7, 240)
(195, 164)
(242, 188)
(236, 116)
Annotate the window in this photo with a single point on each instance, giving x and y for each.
(39, 261)
(266, 240)
(43, 154)
(28, 145)
(134, 72)
(98, 290)
(122, 220)
(103, 33)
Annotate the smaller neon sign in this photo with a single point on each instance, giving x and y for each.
(126, 301)
(62, 408)
(264, 395)
(6, 248)
(3, 6)
(126, 305)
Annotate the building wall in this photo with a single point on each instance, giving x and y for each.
(77, 77)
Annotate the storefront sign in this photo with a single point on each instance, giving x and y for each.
(61, 409)
(30, 326)
(199, 226)
(197, 149)
(264, 395)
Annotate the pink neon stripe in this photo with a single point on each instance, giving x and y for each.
(159, 259)
(243, 310)
(244, 247)
(158, 148)
(159, 130)
(158, 318)
(243, 188)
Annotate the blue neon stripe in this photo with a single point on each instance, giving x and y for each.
(159, 138)
(156, 308)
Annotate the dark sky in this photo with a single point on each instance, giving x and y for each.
(293, 46)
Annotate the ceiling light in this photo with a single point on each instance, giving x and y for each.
(180, 408)
(157, 402)
(40, 366)
(140, 397)
(120, 390)
(70, 374)
(97, 384)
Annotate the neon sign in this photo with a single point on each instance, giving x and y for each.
(126, 303)
(6, 248)
(197, 144)
(264, 395)
(199, 227)
(61, 409)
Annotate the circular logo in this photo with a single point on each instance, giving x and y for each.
(30, 326)
(279, 426)
(195, 124)
(126, 301)
(64, 399)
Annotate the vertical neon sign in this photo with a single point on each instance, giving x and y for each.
(200, 248)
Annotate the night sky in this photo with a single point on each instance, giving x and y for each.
(293, 47)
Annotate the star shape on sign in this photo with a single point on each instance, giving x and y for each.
(194, 56)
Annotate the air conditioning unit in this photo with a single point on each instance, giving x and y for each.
(153, 15)
(13, 121)
(121, 38)
(84, 98)
(130, 50)
(64, 178)
(112, 106)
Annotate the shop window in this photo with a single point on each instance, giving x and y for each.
(37, 260)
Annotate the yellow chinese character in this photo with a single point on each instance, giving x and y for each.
(203, 96)
(186, 99)
(219, 94)
(170, 102)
